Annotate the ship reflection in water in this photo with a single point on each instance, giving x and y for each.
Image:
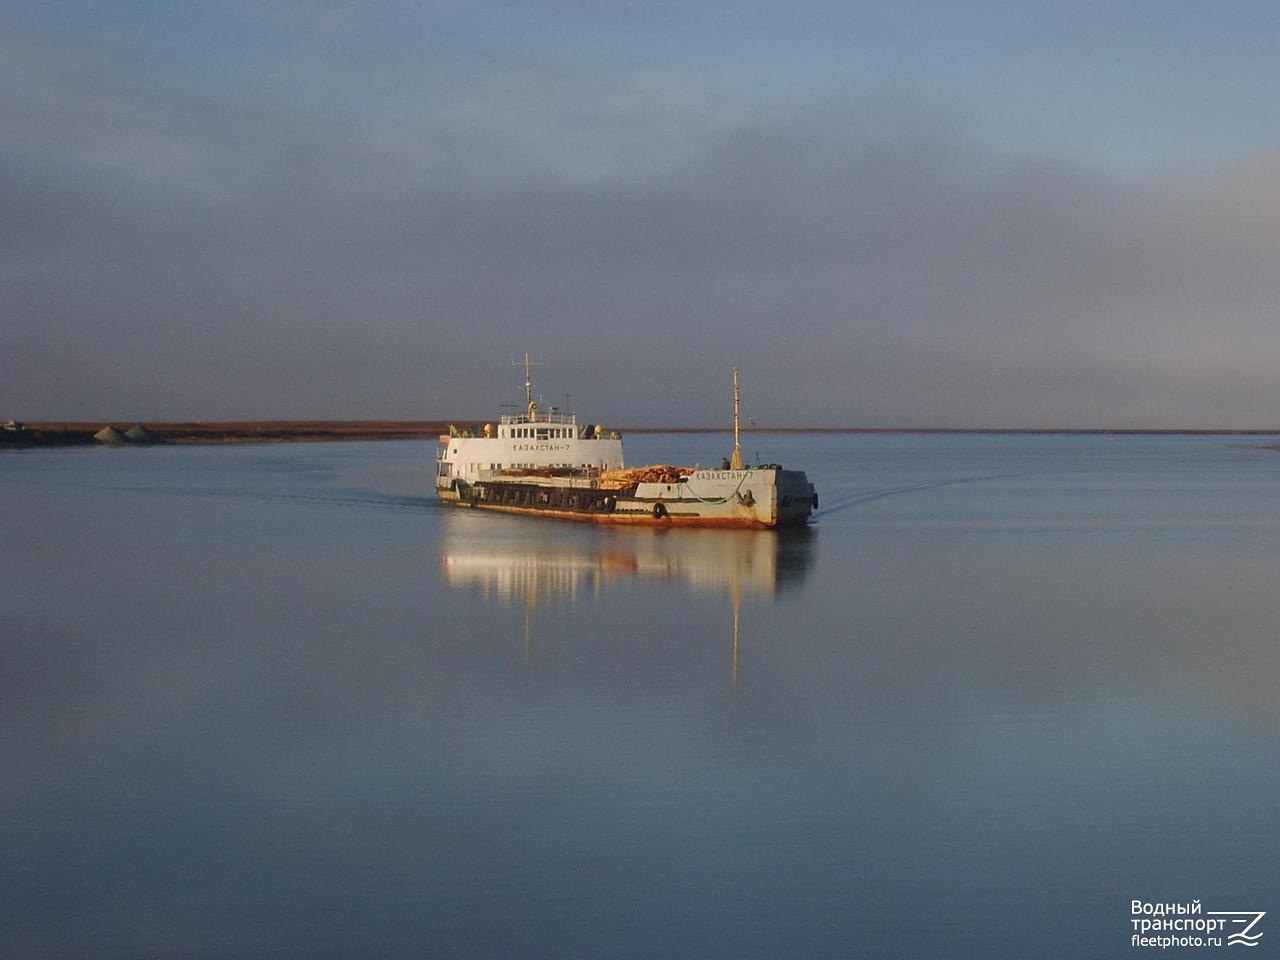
(517, 563)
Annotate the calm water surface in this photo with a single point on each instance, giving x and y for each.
(272, 701)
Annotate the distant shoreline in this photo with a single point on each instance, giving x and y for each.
(63, 433)
(1081, 431)
(226, 431)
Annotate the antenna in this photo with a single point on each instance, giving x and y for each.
(527, 362)
(528, 383)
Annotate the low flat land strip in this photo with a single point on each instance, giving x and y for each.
(230, 431)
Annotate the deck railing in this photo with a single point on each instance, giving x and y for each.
(565, 419)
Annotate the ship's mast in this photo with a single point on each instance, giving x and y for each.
(735, 462)
(528, 383)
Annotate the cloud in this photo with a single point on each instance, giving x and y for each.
(323, 242)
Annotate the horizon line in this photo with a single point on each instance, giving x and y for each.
(435, 424)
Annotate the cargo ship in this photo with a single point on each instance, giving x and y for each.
(543, 464)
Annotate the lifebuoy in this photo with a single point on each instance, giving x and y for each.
(659, 511)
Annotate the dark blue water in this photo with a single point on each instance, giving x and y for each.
(272, 701)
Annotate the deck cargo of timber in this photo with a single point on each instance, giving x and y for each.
(544, 464)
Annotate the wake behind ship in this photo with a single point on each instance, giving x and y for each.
(544, 464)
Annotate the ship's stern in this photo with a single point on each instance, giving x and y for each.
(446, 484)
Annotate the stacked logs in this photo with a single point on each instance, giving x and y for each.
(658, 473)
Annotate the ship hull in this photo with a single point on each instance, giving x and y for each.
(634, 519)
(760, 498)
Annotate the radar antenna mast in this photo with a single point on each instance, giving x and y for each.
(735, 462)
(527, 362)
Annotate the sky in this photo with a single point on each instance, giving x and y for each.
(908, 214)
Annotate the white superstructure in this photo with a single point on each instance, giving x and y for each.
(527, 441)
